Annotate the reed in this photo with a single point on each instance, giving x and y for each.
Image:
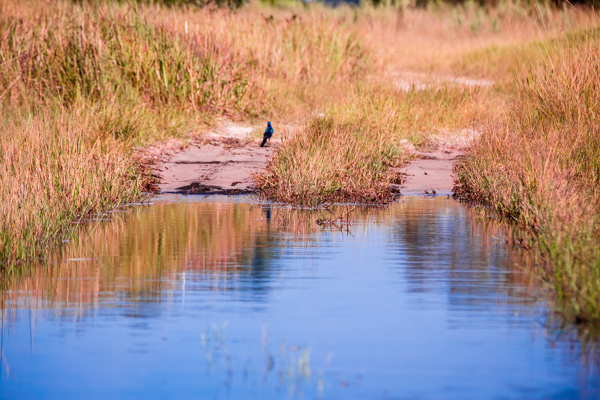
(54, 172)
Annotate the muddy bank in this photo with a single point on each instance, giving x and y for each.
(432, 170)
(431, 173)
(225, 167)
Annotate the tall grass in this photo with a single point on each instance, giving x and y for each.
(54, 171)
(108, 54)
(187, 60)
(541, 168)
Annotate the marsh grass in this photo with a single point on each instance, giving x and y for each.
(54, 173)
(541, 169)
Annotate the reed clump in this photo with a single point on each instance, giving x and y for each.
(541, 169)
(55, 171)
(331, 161)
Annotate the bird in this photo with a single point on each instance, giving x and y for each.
(267, 135)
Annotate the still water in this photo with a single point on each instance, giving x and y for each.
(225, 298)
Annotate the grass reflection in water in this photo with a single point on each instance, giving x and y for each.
(139, 253)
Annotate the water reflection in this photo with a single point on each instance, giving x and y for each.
(140, 254)
(215, 299)
(458, 251)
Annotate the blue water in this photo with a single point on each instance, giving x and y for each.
(226, 299)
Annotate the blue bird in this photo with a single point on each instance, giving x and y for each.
(267, 135)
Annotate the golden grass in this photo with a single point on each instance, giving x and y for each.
(541, 168)
(54, 170)
(442, 38)
(347, 155)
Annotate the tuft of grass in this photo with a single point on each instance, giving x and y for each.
(541, 169)
(55, 171)
(331, 161)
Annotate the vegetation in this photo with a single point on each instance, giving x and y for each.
(540, 167)
(348, 153)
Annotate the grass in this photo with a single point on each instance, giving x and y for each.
(503, 62)
(349, 154)
(540, 167)
(54, 171)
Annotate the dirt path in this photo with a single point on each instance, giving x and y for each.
(432, 172)
(220, 163)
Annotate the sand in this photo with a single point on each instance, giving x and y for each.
(430, 174)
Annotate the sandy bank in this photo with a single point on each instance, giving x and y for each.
(430, 173)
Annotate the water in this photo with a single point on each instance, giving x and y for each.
(221, 298)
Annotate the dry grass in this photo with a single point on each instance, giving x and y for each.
(541, 168)
(443, 38)
(347, 155)
(55, 171)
